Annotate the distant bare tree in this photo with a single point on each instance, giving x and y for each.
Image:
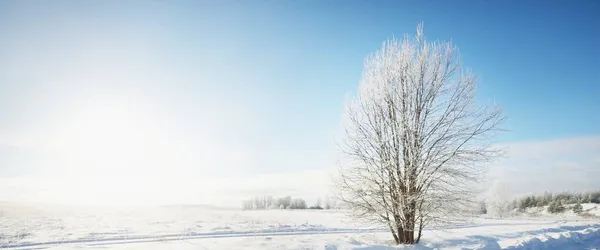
(414, 140)
(482, 209)
(498, 199)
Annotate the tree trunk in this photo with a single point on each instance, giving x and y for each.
(409, 237)
(400, 234)
(404, 235)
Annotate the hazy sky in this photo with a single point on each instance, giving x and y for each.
(158, 101)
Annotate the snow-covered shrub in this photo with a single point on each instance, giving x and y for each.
(482, 208)
(577, 208)
(556, 207)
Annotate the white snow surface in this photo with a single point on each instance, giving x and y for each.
(32, 226)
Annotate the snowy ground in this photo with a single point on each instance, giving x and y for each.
(192, 227)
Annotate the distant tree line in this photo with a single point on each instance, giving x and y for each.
(287, 202)
(556, 202)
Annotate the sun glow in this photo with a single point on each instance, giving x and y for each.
(108, 152)
(109, 137)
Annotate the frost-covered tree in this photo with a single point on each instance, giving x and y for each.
(556, 207)
(414, 139)
(330, 202)
(268, 202)
(529, 201)
(298, 204)
(549, 198)
(573, 199)
(585, 198)
(594, 197)
(577, 208)
(247, 205)
(285, 201)
(482, 208)
(258, 204)
(498, 199)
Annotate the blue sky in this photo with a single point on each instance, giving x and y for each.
(256, 87)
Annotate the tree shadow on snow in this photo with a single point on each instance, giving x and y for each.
(472, 242)
(561, 229)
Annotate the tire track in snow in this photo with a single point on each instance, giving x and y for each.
(183, 236)
(568, 239)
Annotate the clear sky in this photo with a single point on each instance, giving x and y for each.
(252, 90)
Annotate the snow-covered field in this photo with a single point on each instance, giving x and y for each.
(24, 226)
